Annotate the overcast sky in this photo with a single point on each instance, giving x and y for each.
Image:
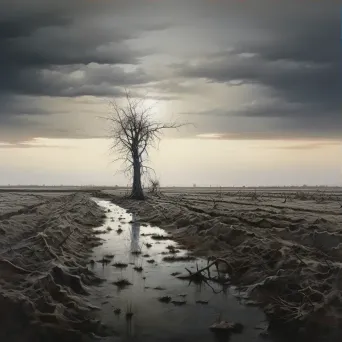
(260, 79)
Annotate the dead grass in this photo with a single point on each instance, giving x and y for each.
(165, 299)
(178, 302)
(117, 311)
(122, 283)
(161, 237)
(109, 256)
(172, 249)
(159, 288)
(120, 265)
(174, 258)
(138, 268)
(104, 261)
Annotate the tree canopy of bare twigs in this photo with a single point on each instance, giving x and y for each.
(133, 132)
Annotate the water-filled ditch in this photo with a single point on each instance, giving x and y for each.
(133, 251)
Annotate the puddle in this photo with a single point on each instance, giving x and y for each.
(152, 319)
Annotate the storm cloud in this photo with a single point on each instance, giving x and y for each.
(53, 53)
(288, 51)
(297, 63)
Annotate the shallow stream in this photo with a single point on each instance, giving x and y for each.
(153, 320)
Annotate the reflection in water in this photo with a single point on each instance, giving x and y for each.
(135, 234)
(129, 327)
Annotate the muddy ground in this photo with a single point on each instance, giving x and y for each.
(284, 247)
(45, 241)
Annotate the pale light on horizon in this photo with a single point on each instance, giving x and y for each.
(177, 162)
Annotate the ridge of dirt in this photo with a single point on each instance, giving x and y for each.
(289, 262)
(44, 279)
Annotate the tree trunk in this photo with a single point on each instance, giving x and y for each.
(137, 191)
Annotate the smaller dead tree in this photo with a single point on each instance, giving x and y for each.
(154, 186)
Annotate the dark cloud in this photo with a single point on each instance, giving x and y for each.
(19, 26)
(92, 80)
(40, 43)
(68, 49)
(62, 49)
(297, 63)
(304, 87)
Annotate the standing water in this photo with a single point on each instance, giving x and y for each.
(136, 312)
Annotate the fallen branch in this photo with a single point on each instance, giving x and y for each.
(198, 274)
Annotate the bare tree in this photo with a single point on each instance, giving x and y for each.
(133, 133)
(154, 186)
